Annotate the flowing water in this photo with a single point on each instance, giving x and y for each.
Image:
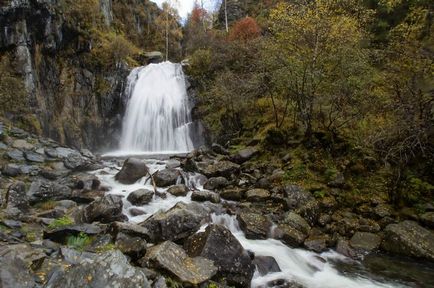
(157, 117)
(157, 121)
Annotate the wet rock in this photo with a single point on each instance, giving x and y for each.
(22, 145)
(87, 153)
(266, 265)
(255, 226)
(428, 219)
(134, 247)
(140, 197)
(132, 170)
(166, 177)
(177, 223)
(11, 170)
(173, 163)
(15, 155)
(219, 245)
(219, 169)
(297, 222)
(110, 269)
(174, 259)
(245, 155)
(203, 196)
(409, 239)
(85, 182)
(105, 210)
(257, 195)
(16, 196)
(178, 190)
(43, 190)
(34, 157)
(136, 212)
(61, 234)
(317, 243)
(189, 165)
(232, 194)
(297, 196)
(76, 162)
(216, 183)
(219, 149)
(365, 242)
(343, 247)
(288, 235)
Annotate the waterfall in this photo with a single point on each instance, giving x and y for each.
(157, 118)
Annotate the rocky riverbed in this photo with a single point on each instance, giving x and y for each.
(209, 219)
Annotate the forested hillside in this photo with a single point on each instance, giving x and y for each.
(345, 86)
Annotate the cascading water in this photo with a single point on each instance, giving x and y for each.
(157, 118)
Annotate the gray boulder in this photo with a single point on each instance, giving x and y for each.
(245, 155)
(290, 236)
(178, 190)
(44, 190)
(34, 157)
(132, 170)
(110, 269)
(105, 210)
(266, 265)
(254, 225)
(174, 259)
(365, 242)
(216, 183)
(202, 196)
(11, 170)
(297, 222)
(177, 223)
(409, 239)
(15, 155)
(219, 245)
(232, 194)
(218, 169)
(140, 197)
(16, 196)
(166, 177)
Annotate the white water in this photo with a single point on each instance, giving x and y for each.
(298, 265)
(157, 118)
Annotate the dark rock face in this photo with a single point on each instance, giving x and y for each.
(266, 264)
(410, 239)
(174, 259)
(140, 197)
(178, 223)
(219, 245)
(60, 234)
(132, 170)
(166, 177)
(43, 190)
(255, 226)
(219, 149)
(110, 269)
(14, 271)
(105, 210)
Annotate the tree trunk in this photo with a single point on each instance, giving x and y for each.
(226, 16)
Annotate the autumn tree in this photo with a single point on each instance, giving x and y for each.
(245, 29)
(170, 32)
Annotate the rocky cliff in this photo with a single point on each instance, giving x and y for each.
(64, 64)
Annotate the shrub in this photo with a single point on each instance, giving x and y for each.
(245, 29)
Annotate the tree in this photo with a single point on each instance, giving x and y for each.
(316, 61)
(168, 24)
(245, 29)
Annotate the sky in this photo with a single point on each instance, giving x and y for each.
(184, 6)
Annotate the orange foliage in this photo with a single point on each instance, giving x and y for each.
(244, 30)
(198, 14)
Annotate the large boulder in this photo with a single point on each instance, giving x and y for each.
(409, 239)
(297, 196)
(266, 265)
(297, 222)
(132, 170)
(105, 210)
(166, 177)
(110, 269)
(245, 155)
(219, 245)
(218, 169)
(177, 223)
(290, 236)
(254, 225)
(14, 267)
(174, 259)
(140, 197)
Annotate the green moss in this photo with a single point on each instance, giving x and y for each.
(106, 248)
(61, 222)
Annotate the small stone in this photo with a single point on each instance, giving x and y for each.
(178, 190)
(140, 197)
(216, 183)
(257, 195)
(34, 157)
(232, 194)
(202, 196)
(15, 155)
(166, 177)
(22, 144)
